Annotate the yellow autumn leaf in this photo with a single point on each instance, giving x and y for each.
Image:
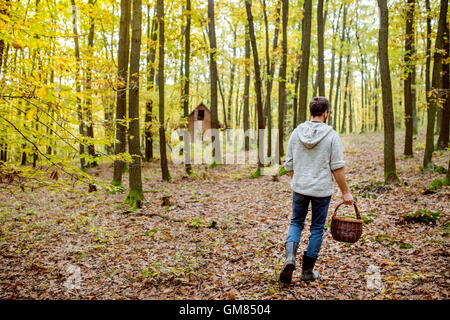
(30, 114)
(42, 92)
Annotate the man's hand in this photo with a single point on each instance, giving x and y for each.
(339, 175)
(291, 173)
(348, 198)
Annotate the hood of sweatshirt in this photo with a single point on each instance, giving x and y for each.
(311, 133)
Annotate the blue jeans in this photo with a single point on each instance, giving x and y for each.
(300, 204)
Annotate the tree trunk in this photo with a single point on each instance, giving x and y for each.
(344, 113)
(187, 75)
(296, 85)
(270, 65)
(444, 131)
(77, 88)
(162, 129)
(304, 68)
(282, 81)
(390, 171)
(320, 63)
(213, 83)
(435, 86)
(122, 88)
(232, 74)
(375, 127)
(409, 67)
(333, 57)
(90, 124)
(136, 194)
(258, 86)
(247, 90)
(151, 57)
(338, 81)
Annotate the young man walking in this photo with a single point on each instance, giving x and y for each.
(314, 155)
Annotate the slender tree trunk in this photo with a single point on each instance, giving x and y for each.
(442, 142)
(344, 113)
(333, 114)
(304, 68)
(282, 81)
(222, 96)
(270, 65)
(187, 75)
(435, 86)
(296, 85)
(350, 111)
(90, 124)
(375, 128)
(390, 171)
(320, 62)
(136, 194)
(232, 74)
(80, 111)
(217, 155)
(341, 54)
(247, 90)
(122, 88)
(151, 57)
(258, 85)
(162, 129)
(409, 66)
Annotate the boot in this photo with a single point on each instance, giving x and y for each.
(308, 274)
(289, 265)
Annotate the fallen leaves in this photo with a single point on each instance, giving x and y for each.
(222, 238)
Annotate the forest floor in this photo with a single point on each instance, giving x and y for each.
(222, 236)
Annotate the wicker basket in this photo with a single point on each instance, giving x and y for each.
(346, 229)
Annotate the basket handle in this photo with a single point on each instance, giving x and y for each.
(358, 216)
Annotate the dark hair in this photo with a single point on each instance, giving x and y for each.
(318, 106)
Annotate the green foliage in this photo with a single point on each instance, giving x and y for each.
(282, 171)
(134, 198)
(213, 165)
(196, 223)
(151, 233)
(423, 215)
(256, 174)
(116, 186)
(436, 184)
(387, 241)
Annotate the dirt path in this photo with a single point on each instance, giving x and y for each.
(222, 237)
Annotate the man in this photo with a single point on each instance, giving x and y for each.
(314, 155)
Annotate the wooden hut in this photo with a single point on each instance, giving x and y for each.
(200, 117)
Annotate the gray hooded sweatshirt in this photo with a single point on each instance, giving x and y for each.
(314, 150)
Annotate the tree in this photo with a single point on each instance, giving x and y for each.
(122, 88)
(136, 194)
(152, 37)
(444, 132)
(282, 81)
(247, 89)
(320, 58)
(304, 68)
(341, 54)
(390, 171)
(270, 66)
(90, 124)
(77, 89)
(407, 82)
(435, 86)
(213, 83)
(162, 129)
(187, 60)
(333, 56)
(259, 107)
(346, 94)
